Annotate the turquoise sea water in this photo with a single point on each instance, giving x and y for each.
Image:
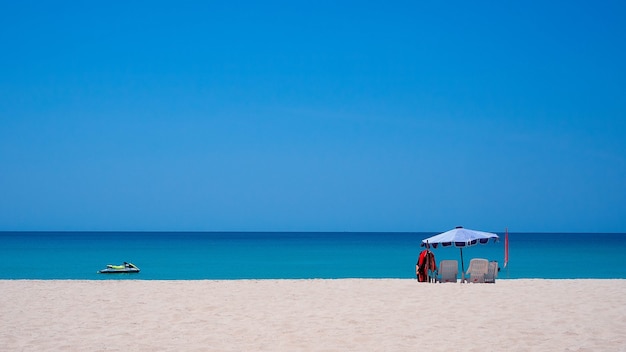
(234, 255)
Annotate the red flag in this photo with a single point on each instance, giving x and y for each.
(506, 247)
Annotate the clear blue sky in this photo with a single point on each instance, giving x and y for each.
(313, 116)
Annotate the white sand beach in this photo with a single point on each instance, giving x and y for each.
(312, 315)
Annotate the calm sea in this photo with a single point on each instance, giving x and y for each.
(264, 255)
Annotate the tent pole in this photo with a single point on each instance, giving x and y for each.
(462, 266)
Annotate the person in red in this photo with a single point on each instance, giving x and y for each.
(425, 266)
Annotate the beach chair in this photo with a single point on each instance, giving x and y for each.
(492, 272)
(477, 270)
(448, 271)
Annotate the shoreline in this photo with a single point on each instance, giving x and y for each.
(313, 315)
(113, 279)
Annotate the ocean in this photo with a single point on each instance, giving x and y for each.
(295, 255)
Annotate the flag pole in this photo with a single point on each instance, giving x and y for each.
(506, 250)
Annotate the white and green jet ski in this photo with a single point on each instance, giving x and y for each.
(120, 269)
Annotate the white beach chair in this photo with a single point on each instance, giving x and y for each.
(492, 272)
(448, 271)
(477, 270)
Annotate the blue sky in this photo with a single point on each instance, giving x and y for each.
(313, 116)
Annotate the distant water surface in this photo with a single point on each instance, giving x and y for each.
(294, 255)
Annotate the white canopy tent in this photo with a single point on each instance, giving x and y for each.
(459, 237)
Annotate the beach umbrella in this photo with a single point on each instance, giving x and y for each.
(459, 237)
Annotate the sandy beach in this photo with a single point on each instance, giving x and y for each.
(312, 315)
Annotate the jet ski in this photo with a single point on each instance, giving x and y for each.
(120, 269)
